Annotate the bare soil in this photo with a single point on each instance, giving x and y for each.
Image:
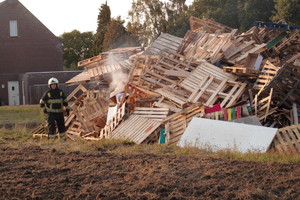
(35, 173)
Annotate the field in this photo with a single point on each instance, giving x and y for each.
(41, 169)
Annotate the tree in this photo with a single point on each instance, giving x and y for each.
(177, 18)
(255, 10)
(148, 19)
(76, 47)
(233, 13)
(288, 10)
(103, 20)
(223, 11)
(117, 36)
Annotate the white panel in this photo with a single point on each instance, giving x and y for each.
(220, 135)
(111, 113)
(258, 62)
(13, 28)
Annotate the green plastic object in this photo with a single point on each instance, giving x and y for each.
(162, 137)
(273, 42)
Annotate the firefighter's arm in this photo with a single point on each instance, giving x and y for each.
(43, 102)
(66, 104)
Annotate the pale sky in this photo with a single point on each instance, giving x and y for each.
(61, 16)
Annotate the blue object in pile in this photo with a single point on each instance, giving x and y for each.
(277, 26)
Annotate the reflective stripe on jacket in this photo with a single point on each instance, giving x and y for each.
(54, 101)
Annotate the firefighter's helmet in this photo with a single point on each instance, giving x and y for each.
(52, 81)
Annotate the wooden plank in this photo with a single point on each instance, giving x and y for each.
(181, 101)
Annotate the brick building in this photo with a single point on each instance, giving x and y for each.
(26, 46)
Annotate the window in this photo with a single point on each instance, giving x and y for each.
(13, 28)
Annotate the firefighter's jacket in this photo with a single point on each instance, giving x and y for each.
(53, 101)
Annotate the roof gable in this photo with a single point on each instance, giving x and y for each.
(19, 12)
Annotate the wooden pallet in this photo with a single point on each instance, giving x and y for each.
(287, 140)
(75, 130)
(40, 131)
(141, 124)
(209, 46)
(238, 52)
(266, 75)
(287, 41)
(241, 71)
(136, 128)
(286, 87)
(176, 124)
(209, 86)
(208, 25)
(262, 106)
(158, 114)
(83, 77)
(121, 53)
(110, 126)
(164, 41)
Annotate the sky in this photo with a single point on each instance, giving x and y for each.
(61, 16)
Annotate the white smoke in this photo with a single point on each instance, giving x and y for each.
(119, 78)
(119, 81)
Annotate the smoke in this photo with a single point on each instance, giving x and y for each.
(119, 81)
(119, 78)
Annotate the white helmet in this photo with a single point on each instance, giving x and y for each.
(52, 81)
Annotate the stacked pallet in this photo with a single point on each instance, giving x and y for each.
(213, 72)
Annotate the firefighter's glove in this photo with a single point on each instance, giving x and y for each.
(68, 112)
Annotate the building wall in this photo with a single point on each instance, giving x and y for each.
(33, 84)
(34, 49)
(4, 78)
(36, 83)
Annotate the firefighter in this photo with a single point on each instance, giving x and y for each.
(52, 103)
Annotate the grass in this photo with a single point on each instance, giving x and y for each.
(20, 136)
(20, 114)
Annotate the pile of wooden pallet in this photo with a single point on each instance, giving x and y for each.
(214, 72)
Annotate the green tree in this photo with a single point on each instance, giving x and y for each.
(117, 36)
(288, 10)
(255, 10)
(223, 11)
(76, 47)
(233, 13)
(177, 18)
(104, 18)
(148, 19)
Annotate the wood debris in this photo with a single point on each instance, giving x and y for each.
(213, 72)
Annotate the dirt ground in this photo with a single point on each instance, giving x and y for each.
(35, 173)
